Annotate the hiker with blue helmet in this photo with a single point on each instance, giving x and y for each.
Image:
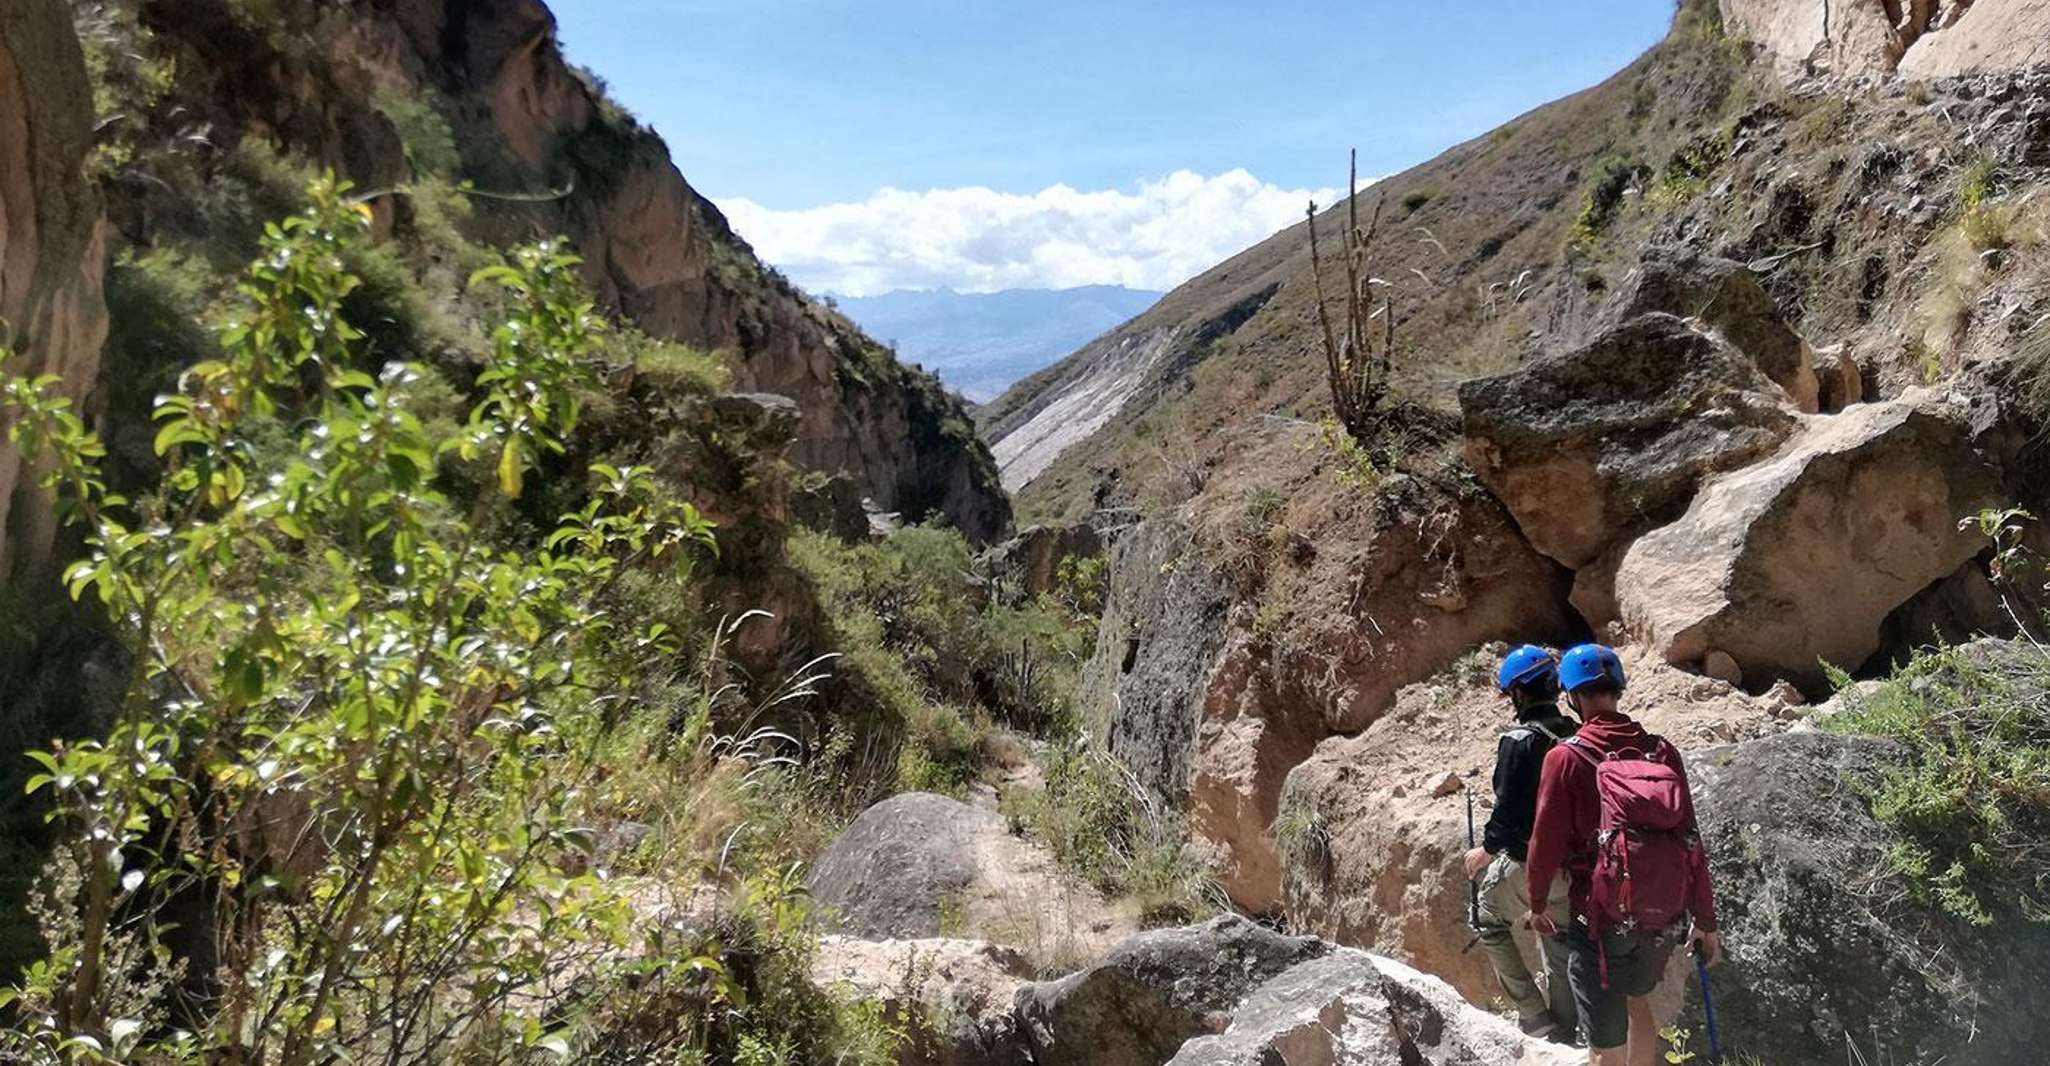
(1529, 678)
(1615, 812)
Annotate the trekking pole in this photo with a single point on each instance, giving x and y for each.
(1473, 887)
(1715, 1040)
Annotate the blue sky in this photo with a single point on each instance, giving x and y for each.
(787, 106)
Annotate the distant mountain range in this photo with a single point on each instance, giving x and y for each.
(979, 343)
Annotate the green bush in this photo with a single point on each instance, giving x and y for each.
(1100, 823)
(429, 141)
(1612, 178)
(361, 740)
(1973, 806)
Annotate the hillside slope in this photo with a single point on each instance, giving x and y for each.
(385, 92)
(1502, 246)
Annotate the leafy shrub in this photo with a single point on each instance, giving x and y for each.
(1100, 822)
(1973, 807)
(1613, 177)
(368, 730)
(676, 366)
(429, 141)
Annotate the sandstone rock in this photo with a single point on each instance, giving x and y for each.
(913, 857)
(1444, 784)
(1821, 953)
(1590, 446)
(1211, 714)
(1154, 992)
(1800, 558)
(1727, 297)
(1352, 1008)
(52, 245)
(1719, 665)
(954, 998)
(1840, 379)
(1922, 39)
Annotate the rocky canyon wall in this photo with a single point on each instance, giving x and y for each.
(52, 243)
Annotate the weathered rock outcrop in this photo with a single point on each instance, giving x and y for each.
(1727, 298)
(654, 250)
(1154, 992)
(1212, 715)
(671, 262)
(1030, 563)
(1588, 447)
(1356, 1009)
(52, 244)
(909, 860)
(1799, 559)
(1825, 948)
(1917, 38)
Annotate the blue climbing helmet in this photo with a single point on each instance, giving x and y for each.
(1527, 665)
(1590, 665)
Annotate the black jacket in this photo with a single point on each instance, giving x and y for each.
(1519, 761)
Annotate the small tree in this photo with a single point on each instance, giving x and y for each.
(351, 757)
(1358, 372)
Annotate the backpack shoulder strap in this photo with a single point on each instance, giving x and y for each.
(1583, 749)
(1542, 728)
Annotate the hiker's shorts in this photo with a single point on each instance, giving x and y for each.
(1636, 961)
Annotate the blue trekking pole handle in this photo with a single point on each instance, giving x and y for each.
(1715, 1040)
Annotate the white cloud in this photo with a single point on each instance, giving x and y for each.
(980, 240)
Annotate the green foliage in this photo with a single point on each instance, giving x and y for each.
(429, 141)
(1686, 174)
(937, 657)
(1099, 822)
(1356, 466)
(1301, 836)
(679, 367)
(366, 730)
(1983, 224)
(1613, 176)
(1415, 199)
(1973, 807)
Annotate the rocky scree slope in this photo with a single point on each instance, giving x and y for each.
(351, 87)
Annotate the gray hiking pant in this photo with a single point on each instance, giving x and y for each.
(1505, 899)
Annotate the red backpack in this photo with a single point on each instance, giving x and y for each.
(1647, 849)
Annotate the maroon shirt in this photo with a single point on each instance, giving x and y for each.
(1569, 817)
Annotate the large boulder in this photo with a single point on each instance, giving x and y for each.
(1725, 296)
(1591, 446)
(1154, 992)
(53, 313)
(1920, 39)
(1352, 1008)
(1798, 560)
(1825, 948)
(923, 865)
(953, 999)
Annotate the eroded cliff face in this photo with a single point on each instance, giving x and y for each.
(668, 259)
(550, 155)
(1914, 38)
(52, 244)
